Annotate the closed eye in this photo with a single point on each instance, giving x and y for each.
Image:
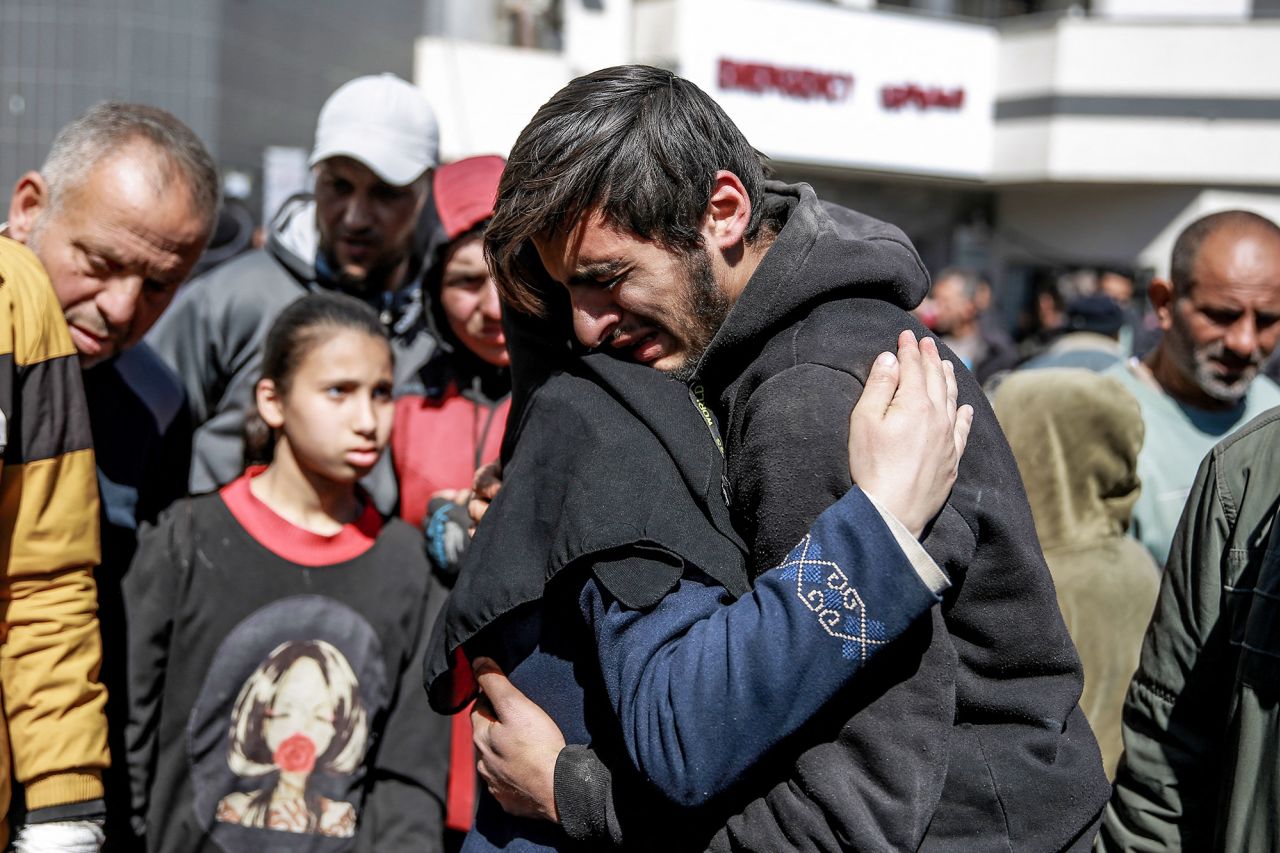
(601, 276)
(99, 265)
(1221, 316)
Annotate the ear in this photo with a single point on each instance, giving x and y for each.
(728, 212)
(30, 199)
(270, 404)
(1160, 292)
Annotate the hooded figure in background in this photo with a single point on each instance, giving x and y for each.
(1076, 436)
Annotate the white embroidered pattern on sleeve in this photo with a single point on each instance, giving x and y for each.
(825, 589)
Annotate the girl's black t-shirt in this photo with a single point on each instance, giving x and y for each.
(274, 692)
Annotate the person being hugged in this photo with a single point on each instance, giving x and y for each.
(277, 627)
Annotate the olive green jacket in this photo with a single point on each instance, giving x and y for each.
(1201, 769)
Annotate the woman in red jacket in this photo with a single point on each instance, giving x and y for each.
(452, 422)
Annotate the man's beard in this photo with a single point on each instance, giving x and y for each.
(708, 308)
(1212, 384)
(1200, 360)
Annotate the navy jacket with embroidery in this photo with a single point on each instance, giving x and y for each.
(705, 686)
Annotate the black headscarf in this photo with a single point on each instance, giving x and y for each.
(607, 466)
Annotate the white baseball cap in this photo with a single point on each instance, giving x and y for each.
(383, 122)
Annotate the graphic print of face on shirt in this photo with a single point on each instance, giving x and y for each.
(299, 723)
(298, 714)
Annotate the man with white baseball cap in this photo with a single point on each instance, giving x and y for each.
(361, 233)
(384, 123)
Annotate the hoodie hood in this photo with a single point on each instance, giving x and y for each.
(293, 238)
(294, 241)
(820, 252)
(1076, 436)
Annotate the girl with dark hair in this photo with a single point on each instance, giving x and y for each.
(276, 628)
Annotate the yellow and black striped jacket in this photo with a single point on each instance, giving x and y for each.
(50, 648)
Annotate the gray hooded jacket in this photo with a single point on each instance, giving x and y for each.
(213, 333)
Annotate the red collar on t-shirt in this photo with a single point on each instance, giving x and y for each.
(285, 539)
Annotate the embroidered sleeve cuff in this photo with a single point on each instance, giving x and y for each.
(928, 571)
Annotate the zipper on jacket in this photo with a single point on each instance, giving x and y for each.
(698, 395)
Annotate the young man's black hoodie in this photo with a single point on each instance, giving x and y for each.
(969, 737)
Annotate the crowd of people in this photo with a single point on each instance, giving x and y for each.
(614, 495)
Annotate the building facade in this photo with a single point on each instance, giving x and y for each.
(1022, 138)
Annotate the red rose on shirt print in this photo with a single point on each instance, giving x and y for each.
(296, 754)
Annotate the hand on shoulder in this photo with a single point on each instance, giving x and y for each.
(907, 435)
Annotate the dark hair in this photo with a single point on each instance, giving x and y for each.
(1186, 249)
(637, 143)
(300, 327)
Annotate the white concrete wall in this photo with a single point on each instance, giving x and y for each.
(1147, 150)
(654, 35)
(875, 55)
(1156, 253)
(597, 38)
(483, 94)
(1181, 58)
(1203, 74)
(1027, 63)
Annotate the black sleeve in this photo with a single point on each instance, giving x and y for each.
(169, 470)
(605, 810)
(149, 592)
(404, 810)
(584, 798)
